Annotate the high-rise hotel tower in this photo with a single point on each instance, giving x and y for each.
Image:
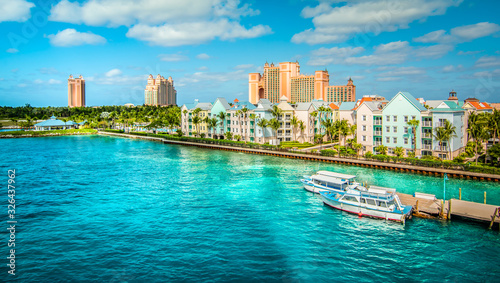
(286, 80)
(160, 91)
(76, 91)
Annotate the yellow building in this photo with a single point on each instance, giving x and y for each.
(286, 80)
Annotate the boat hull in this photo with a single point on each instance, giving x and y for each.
(363, 211)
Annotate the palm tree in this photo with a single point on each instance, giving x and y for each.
(302, 127)
(196, 122)
(229, 135)
(263, 123)
(440, 135)
(382, 149)
(253, 117)
(244, 112)
(276, 112)
(450, 132)
(294, 122)
(313, 116)
(357, 147)
(275, 125)
(222, 117)
(476, 130)
(494, 124)
(413, 123)
(398, 151)
(329, 126)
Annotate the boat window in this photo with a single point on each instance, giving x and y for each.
(363, 200)
(382, 203)
(349, 198)
(370, 201)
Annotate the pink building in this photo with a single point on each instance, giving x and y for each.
(160, 91)
(285, 80)
(76, 92)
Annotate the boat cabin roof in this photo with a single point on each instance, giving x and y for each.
(381, 190)
(336, 175)
(329, 179)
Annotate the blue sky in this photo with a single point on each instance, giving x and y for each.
(426, 47)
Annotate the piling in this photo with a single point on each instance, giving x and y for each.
(485, 197)
(416, 206)
(441, 213)
(497, 212)
(449, 210)
(460, 193)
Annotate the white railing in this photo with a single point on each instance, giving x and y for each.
(377, 122)
(426, 135)
(427, 146)
(427, 124)
(377, 133)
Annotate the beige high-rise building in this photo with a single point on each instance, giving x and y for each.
(76, 91)
(160, 91)
(286, 80)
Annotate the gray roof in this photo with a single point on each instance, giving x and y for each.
(204, 105)
(264, 101)
(347, 106)
(303, 106)
(372, 105)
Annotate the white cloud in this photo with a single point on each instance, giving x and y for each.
(452, 68)
(469, 52)
(203, 56)
(203, 68)
(488, 74)
(385, 54)
(15, 10)
(113, 73)
(199, 77)
(487, 62)
(337, 24)
(434, 51)
(12, 50)
(166, 22)
(460, 34)
(173, 57)
(403, 71)
(324, 56)
(192, 33)
(244, 66)
(389, 79)
(71, 37)
(54, 82)
(50, 82)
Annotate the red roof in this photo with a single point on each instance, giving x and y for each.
(236, 100)
(480, 105)
(361, 102)
(333, 106)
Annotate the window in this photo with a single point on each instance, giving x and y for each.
(364, 128)
(390, 150)
(406, 140)
(387, 139)
(387, 129)
(413, 117)
(395, 129)
(406, 130)
(388, 118)
(364, 118)
(395, 140)
(364, 138)
(406, 119)
(395, 118)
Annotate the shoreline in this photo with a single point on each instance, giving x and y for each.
(29, 134)
(403, 168)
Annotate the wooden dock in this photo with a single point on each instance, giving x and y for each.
(435, 208)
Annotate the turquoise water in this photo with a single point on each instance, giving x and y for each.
(94, 208)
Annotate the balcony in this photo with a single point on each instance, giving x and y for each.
(377, 122)
(426, 135)
(377, 133)
(427, 146)
(427, 124)
(378, 143)
(440, 125)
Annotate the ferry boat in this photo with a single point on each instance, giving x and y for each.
(377, 202)
(329, 181)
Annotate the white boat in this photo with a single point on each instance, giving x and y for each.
(329, 181)
(375, 202)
